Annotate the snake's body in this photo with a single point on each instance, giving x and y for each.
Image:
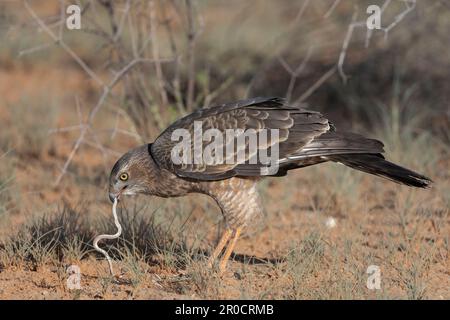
(109, 237)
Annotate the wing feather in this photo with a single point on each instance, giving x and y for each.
(297, 127)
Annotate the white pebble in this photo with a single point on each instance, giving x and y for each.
(330, 222)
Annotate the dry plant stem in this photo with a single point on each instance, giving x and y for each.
(330, 11)
(354, 24)
(110, 237)
(106, 87)
(409, 6)
(192, 34)
(106, 90)
(155, 51)
(370, 31)
(63, 45)
(294, 73)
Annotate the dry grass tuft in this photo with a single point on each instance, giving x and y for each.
(30, 121)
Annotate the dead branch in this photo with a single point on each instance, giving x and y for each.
(85, 127)
(354, 24)
(63, 45)
(155, 50)
(370, 31)
(294, 73)
(330, 11)
(192, 33)
(409, 4)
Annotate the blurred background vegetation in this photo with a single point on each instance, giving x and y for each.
(136, 66)
(218, 51)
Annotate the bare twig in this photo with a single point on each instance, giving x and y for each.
(174, 49)
(299, 15)
(192, 34)
(122, 21)
(370, 31)
(65, 129)
(133, 39)
(71, 155)
(146, 100)
(59, 41)
(354, 24)
(4, 154)
(410, 6)
(86, 126)
(102, 149)
(62, 15)
(35, 49)
(294, 74)
(214, 94)
(155, 51)
(316, 85)
(331, 10)
(106, 90)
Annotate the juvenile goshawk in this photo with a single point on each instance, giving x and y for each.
(304, 138)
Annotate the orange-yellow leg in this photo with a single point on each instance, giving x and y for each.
(222, 242)
(229, 250)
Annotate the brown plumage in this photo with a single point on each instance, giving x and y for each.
(305, 138)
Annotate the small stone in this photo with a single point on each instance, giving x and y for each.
(330, 222)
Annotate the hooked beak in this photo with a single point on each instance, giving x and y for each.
(112, 196)
(115, 195)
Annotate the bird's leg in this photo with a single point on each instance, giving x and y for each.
(229, 250)
(222, 242)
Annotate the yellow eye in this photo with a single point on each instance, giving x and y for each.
(124, 176)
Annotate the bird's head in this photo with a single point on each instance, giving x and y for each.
(131, 174)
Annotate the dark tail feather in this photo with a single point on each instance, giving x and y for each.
(375, 164)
